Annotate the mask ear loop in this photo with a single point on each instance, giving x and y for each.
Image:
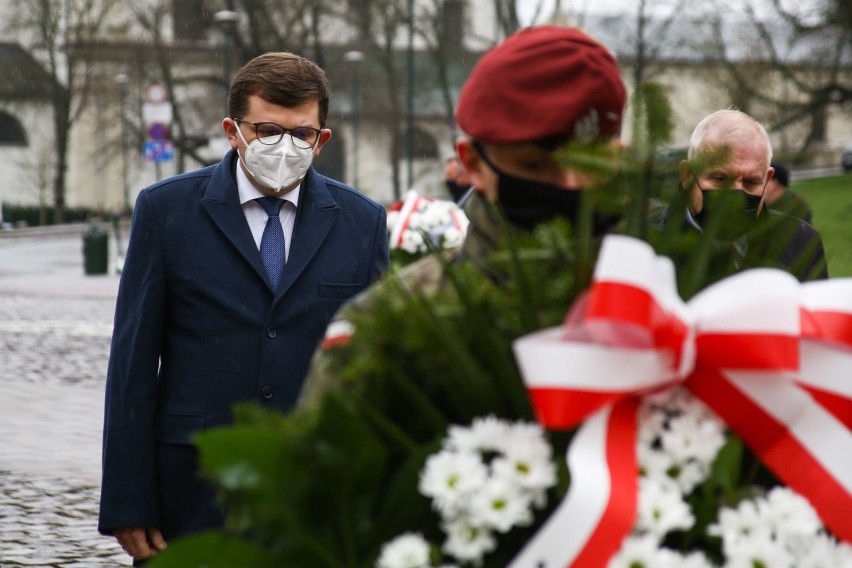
(482, 154)
(248, 146)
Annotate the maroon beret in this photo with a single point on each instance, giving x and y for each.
(541, 83)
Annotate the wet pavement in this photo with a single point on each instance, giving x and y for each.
(55, 328)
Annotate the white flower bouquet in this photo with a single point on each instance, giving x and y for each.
(679, 440)
(420, 224)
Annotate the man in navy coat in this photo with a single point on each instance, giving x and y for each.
(202, 321)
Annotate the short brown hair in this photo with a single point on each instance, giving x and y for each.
(281, 78)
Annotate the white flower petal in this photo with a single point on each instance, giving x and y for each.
(409, 550)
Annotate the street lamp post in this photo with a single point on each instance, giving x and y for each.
(355, 58)
(409, 147)
(225, 20)
(121, 80)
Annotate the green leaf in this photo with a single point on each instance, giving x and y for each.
(725, 472)
(215, 549)
(241, 457)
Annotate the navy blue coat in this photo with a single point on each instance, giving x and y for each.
(198, 327)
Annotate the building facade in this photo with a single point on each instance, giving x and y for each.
(387, 137)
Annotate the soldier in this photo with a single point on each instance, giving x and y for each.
(536, 91)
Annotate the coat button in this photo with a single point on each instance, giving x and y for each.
(266, 392)
(271, 332)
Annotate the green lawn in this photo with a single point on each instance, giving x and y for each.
(831, 200)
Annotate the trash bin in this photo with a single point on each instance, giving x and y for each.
(95, 250)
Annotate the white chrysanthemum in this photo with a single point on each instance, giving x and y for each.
(740, 525)
(642, 552)
(692, 560)
(652, 422)
(450, 477)
(451, 237)
(661, 509)
(688, 437)
(408, 550)
(436, 214)
(415, 221)
(690, 404)
(817, 551)
(531, 473)
(393, 217)
(486, 434)
(757, 550)
(412, 241)
(842, 555)
(658, 464)
(687, 476)
(653, 463)
(527, 439)
(499, 504)
(466, 542)
(788, 513)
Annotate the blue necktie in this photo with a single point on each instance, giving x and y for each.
(272, 242)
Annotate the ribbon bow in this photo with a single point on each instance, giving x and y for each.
(770, 356)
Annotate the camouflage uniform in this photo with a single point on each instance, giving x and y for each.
(426, 274)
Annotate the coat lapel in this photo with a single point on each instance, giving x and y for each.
(317, 214)
(221, 200)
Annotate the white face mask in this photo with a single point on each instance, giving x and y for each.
(276, 166)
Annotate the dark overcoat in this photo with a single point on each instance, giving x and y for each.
(198, 327)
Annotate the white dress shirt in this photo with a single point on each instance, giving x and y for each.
(256, 215)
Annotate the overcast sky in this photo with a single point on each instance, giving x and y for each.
(527, 7)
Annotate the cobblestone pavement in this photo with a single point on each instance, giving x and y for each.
(55, 327)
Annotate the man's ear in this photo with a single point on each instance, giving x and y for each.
(325, 136)
(230, 128)
(471, 161)
(687, 177)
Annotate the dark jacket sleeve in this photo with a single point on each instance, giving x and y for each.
(805, 254)
(381, 259)
(129, 484)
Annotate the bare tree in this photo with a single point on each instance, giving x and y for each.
(506, 12)
(810, 53)
(38, 168)
(178, 72)
(380, 32)
(60, 29)
(272, 25)
(652, 35)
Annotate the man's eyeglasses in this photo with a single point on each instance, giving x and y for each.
(269, 133)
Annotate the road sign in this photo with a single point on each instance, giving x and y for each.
(158, 151)
(156, 93)
(157, 112)
(158, 131)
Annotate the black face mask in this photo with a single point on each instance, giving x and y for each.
(738, 211)
(456, 190)
(720, 199)
(528, 203)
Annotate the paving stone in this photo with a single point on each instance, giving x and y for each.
(54, 349)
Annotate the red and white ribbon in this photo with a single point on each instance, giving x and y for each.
(409, 206)
(338, 332)
(415, 203)
(771, 357)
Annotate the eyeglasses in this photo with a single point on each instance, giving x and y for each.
(269, 133)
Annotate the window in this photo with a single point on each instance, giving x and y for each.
(11, 131)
